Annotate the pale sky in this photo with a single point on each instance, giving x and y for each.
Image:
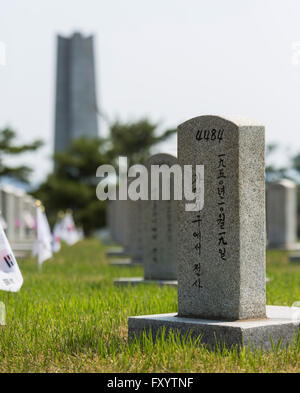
(169, 60)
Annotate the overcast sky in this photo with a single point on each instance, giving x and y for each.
(169, 60)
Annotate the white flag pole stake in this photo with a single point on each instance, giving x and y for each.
(11, 278)
(43, 244)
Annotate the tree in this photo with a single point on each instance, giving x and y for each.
(73, 183)
(134, 140)
(7, 147)
(296, 163)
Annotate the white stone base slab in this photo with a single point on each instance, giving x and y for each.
(279, 324)
(294, 247)
(124, 262)
(141, 280)
(115, 252)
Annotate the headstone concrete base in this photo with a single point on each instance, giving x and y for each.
(141, 280)
(124, 262)
(279, 325)
(294, 258)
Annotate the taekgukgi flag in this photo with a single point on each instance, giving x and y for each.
(11, 278)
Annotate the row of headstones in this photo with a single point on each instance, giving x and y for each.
(217, 252)
(146, 229)
(124, 222)
(18, 210)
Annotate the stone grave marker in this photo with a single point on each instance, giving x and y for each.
(221, 248)
(134, 230)
(125, 235)
(158, 231)
(110, 209)
(281, 203)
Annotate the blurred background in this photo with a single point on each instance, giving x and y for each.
(145, 68)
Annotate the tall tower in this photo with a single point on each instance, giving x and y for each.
(76, 103)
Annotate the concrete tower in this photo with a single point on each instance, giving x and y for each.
(76, 103)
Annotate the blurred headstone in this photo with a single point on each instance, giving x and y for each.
(281, 203)
(155, 233)
(159, 229)
(221, 248)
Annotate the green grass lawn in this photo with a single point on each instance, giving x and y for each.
(70, 317)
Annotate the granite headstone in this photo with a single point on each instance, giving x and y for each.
(159, 229)
(221, 248)
(281, 203)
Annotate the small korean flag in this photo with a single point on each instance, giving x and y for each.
(11, 278)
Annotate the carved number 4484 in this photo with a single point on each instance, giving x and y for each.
(210, 135)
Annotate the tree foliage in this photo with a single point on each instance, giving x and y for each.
(134, 140)
(73, 182)
(8, 148)
(273, 172)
